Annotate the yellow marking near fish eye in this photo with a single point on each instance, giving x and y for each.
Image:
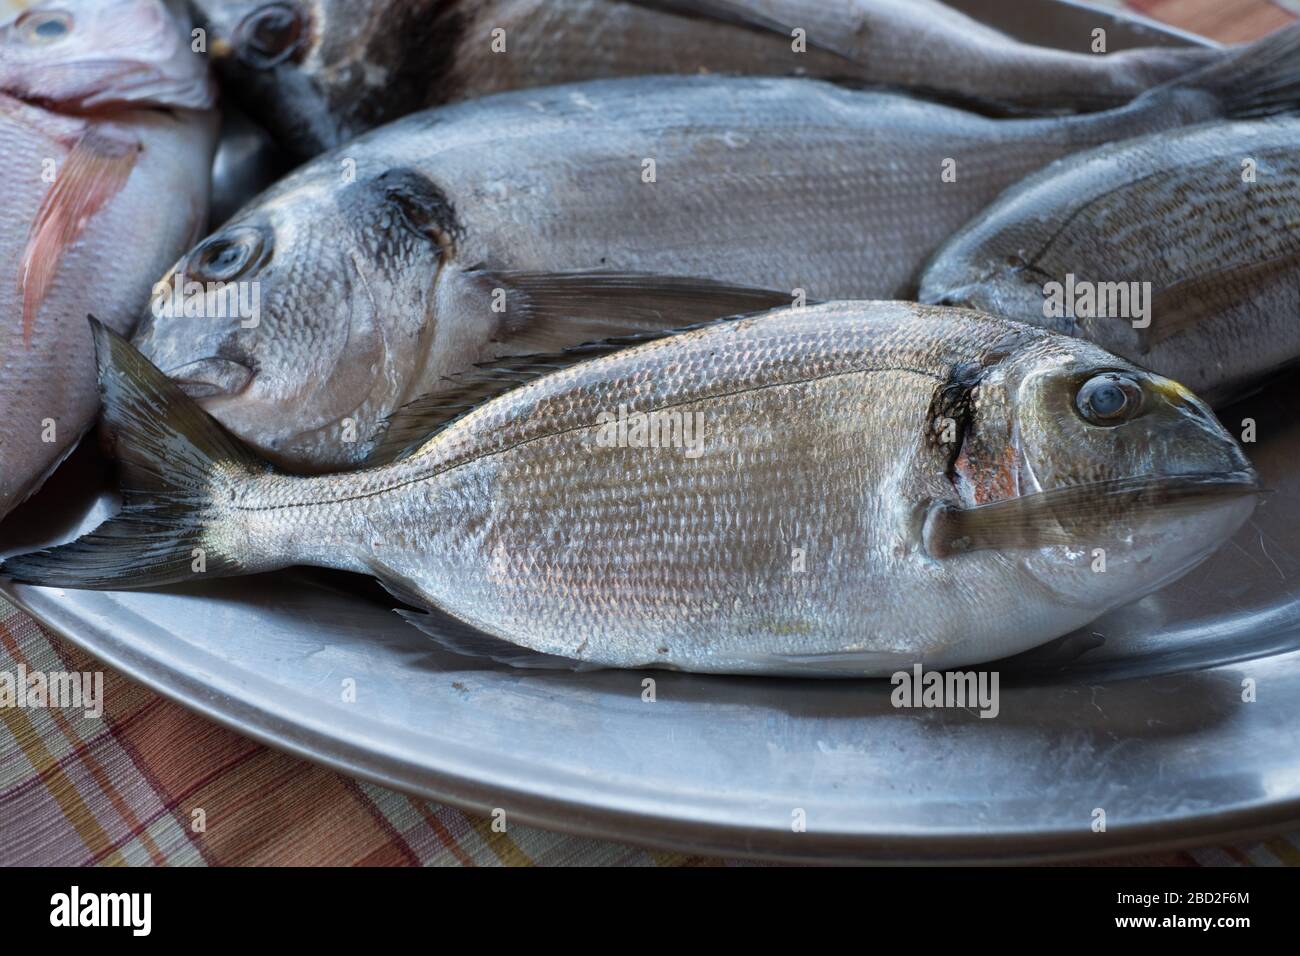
(220, 48)
(1173, 391)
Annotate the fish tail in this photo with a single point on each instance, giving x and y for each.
(179, 470)
(1252, 80)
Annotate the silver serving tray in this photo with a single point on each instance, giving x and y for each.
(1140, 714)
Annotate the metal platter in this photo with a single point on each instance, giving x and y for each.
(1141, 714)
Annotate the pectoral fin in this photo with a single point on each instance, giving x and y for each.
(550, 311)
(1186, 304)
(95, 170)
(1066, 516)
(553, 321)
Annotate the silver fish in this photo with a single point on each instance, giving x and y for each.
(319, 72)
(103, 189)
(1179, 251)
(536, 220)
(846, 489)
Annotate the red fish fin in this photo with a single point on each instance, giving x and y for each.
(95, 171)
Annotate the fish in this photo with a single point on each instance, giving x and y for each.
(246, 163)
(1179, 251)
(537, 220)
(11, 8)
(846, 489)
(318, 73)
(106, 138)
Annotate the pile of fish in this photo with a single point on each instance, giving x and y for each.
(749, 336)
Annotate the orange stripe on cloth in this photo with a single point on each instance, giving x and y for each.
(442, 833)
(101, 777)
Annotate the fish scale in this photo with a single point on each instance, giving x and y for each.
(504, 220)
(1170, 209)
(336, 68)
(546, 538)
(95, 126)
(521, 522)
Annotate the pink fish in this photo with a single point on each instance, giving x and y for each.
(106, 139)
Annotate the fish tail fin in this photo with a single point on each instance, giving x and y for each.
(178, 469)
(1252, 80)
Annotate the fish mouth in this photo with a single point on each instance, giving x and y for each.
(960, 297)
(109, 86)
(143, 85)
(211, 378)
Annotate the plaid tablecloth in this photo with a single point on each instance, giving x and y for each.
(147, 782)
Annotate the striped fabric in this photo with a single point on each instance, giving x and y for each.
(150, 783)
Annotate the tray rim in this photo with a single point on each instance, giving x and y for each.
(662, 831)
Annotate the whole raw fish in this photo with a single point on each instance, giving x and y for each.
(1179, 251)
(106, 146)
(845, 489)
(319, 72)
(536, 220)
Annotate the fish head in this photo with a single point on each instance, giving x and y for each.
(94, 56)
(1122, 479)
(991, 267)
(316, 73)
(300, 322)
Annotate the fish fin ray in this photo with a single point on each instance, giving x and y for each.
(549, 311)
(174, 461)
(740, 15)
(410, 426)
(95, 171)
(1251, 80)
(452, 634)
(456, 636)
(1184, 304)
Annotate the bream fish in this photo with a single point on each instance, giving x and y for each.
(319, 72)
(846, 489)
(1179, 251)
(106, 144)
(536, 220)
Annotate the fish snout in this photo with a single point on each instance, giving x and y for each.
(954, 295)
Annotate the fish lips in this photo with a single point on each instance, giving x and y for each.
(212, 378)
(110, 85)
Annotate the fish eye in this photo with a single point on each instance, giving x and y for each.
(270, 34)
(45, 26)
(1109, 399)
(228, 255)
